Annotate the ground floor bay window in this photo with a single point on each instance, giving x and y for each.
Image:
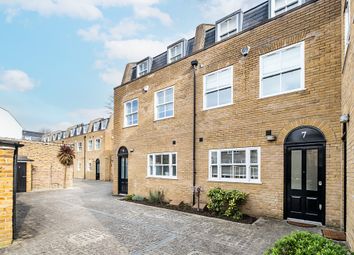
(163, 165)
(235, 165)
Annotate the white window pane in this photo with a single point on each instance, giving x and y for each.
(129, 107)
(135, 106)
(165, 159)
(160, 97)
(212, 99)
(239, 157)
(214, 157)
(174, 170)
(166, 170)
(223, 28)
(240, 172)
(254, 156)
(159, 170)
(161, 111)
(271, 64)
(226, 171)
(226, 157)
(291, 58)
(151, 159)
(224, 78)
(214, 171)
(211, 82)
(158, 159)
(254, 172)
(232, 23)
(174, 159)
(271, 85)
(151, 170)
(169, 110)
(135, 118)
(169, 95)
(225, 96)
(280, 3)
(291, 80)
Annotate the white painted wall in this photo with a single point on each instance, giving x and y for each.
(9, 127)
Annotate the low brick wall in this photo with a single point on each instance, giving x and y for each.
(6, 196)
(45, 172)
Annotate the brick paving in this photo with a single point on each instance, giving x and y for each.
(88, 220)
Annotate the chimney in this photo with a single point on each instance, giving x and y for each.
(128, 72)
(200, 36)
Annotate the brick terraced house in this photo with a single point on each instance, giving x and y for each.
(252, 102)
(347, 112)
(93, 148)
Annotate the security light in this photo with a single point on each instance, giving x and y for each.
(245, 50)
(344, 118)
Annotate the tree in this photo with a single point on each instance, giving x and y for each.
(66, 157)
(110, 104)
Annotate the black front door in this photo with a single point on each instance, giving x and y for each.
(98, 165)
(123, 170)
(21, 177)
(305, 182)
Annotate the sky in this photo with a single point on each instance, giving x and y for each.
(61, 59)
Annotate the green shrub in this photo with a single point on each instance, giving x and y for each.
(226, 202)
(305, 243)
(157, 197)
(137, 198)
(129, 197)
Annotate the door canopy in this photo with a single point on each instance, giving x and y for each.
(305, 135)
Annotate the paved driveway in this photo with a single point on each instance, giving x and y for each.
(88, 220)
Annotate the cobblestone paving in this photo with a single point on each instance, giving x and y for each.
(88, 220)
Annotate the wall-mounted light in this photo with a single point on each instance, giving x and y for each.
(269, 136)
(344, 118)
(146, 89)
(131, 150)
(245, 51)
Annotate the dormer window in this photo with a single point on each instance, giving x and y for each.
(72, 132)
(86, 128)
(59, 136)
(78, 130)
(281, 6)
(104, 124)
(176, 51)
(64, 135)
(144, 67)
(228, 26)
(96, 126)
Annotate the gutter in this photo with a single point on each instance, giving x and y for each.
(194, 64)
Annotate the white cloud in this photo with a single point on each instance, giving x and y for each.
(85, 9)
(216, 9)
(134, 49)
(87, 114)
(15, 80)
(111, 76)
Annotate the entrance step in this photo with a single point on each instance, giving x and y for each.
(334, 234)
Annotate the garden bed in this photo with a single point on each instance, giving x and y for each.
(246, 219)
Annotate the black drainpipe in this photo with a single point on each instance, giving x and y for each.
(194, 64)
(344, 139)
(14, 190)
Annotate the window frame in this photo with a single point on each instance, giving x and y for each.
(104, 124)
(248, 164)
(96, 126)
(90, 148)
(156, 105)
(302, 68)
(205, 108)
(100, 143)
(148, 62)
(154, 165)
(78, 165)
(239, 22)
(79, 146)
(130, 114)
(183, 43)
(286, 7)
(347, 25)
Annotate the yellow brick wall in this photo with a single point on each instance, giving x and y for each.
(244, 123)
(46, 170)
(348, 108)
(6, 196)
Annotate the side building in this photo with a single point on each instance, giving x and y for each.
(92, 143)
(347, 118)
(252, 103)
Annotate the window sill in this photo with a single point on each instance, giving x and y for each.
(166, 118)
(216, 107)
(131, 126)
(162, 177)
(283, 93)
(235, 181)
